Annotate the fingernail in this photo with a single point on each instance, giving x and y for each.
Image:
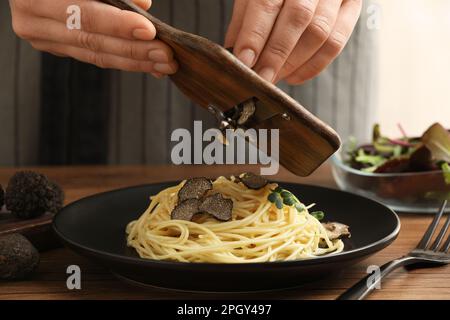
(158, 55)
(247, 57)
(267, 74)
(162, 68)
(143, 34)
(157, 75)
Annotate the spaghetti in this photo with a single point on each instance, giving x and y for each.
(257, 232)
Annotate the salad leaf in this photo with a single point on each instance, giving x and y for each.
(446, 171)
(438, 195)
(437, 140)
(384, 148)
(368, 159)
(404, 154)
(385, 145)
(398, 150)
(421, 159)
(376, 133)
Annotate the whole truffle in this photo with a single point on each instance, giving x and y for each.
(2, 197)
(18, 258)
(30, 195)
(58, 198)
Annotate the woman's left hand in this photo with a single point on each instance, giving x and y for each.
(292, 40)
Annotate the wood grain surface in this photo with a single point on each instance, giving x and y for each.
(97, 283)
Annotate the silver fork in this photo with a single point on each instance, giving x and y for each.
(421, 257)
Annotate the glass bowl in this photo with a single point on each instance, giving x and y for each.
(417, 192)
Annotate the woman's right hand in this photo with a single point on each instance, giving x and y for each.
(108, 38)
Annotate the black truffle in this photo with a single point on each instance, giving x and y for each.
(2, 197)
(30, 195)
(58, 198)
(18, 258)
(194, 188)
(253, 181)
(186, 210)
(217, 206)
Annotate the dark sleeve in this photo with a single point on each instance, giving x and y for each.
(74, 112)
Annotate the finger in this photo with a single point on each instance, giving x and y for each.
(54, 53)
(259, 20)
(314, 36)
(291, 23)
(157, 75)
(144, 4)
(166, 68)
(346, 22)
(98, 17)
(54, 31)
(104, 60)
(236, 22)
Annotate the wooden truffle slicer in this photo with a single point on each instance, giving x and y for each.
(215, 79)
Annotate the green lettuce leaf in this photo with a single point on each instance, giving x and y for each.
(446, 171)
(368, 159)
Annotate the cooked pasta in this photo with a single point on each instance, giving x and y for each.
(257, 232)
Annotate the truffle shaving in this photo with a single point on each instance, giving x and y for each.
(253, 181)
(186, 210)
(194, 188)
(217, 206)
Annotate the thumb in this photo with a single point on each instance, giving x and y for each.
(144, 4)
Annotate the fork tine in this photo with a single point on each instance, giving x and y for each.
(441, 235)
(423, 244)
(446, 246)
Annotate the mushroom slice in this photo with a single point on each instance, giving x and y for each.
(253, 181)
(194, 188)
(217, 206)
(248, 110)
(186, 210)
(336, 230)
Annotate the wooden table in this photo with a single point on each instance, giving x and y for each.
(50, 279)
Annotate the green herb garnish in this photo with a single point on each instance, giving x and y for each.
(319, 215)
(280, 197)
(276, 199)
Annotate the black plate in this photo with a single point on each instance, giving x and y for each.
(95, 227)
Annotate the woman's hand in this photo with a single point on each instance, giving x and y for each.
(109, 37)
(292, 40)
